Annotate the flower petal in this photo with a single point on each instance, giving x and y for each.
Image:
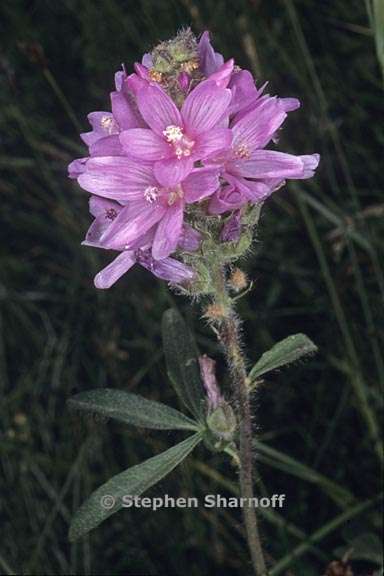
(120, 76)
(157, 108)
(117, 177)
(243, 90)
(131, 224)
(209, 60)
(223, 74)
(212, 142)
(108, 146)
(227, 198)
(141, 71)
(105, 212)
(77, 167)
(257, 127)
(144, 144)
(268, 164)
(172, 270)
(103, 124)
(201, 183)
(135, 83)
(123, 112)
(190, 239)
(167, 269)
(232, 228)
(289, 104)
(171, 172)
(168, 231)
(147, 60)
(204, 107)
(95, 232)
(310, 162)
(120, 265)
(99, 206)
(256, 191)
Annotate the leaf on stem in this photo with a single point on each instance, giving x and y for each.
(182, 362)
(132, 409)
(109, 498)
(288, 350)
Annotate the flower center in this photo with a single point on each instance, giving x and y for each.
(151, 193)
(173, 134)
(109, 124)
(181, 143)
(110, 214)
(174, 194)
(242, 151)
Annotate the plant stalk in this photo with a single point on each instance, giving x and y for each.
(227, 329)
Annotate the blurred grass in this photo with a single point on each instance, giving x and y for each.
(317, 268)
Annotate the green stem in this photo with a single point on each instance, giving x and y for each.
(227, 327)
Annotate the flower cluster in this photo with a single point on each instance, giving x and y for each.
(185, 141)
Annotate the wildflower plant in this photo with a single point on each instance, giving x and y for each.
(178, 172)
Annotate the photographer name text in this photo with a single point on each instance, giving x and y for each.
(209, 501)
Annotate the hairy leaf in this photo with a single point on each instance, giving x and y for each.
(288, 350)
(132, 409)
(109, 498)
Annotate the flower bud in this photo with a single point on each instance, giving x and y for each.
(222, 422)
(232, 228)
(168, 56)
(214, 312)
(208, 376)
(184, 81)
(238, 280)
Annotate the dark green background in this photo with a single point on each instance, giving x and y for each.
(315, 265)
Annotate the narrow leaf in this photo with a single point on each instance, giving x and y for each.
(182, 362)
(109, 498)
(288, 350)
(132, 409)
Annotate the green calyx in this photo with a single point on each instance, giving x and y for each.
(221, 428)
(222, 422)
(213, 252)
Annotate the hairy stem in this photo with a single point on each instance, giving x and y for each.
(227, 328)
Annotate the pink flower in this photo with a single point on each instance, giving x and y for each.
(103, 139)
(177, 138)
(147, 204)
(182, 131)
(253, 172)
(105, 212)
(169, 269)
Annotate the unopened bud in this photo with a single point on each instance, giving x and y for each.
(168, 56)
(238, 280)
(208, 376)
(232, 228)
(184, 81)
(215, 312)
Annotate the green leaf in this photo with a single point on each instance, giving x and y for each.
(108, 499)
(288, 350)
(182, 362)
(132, 409)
